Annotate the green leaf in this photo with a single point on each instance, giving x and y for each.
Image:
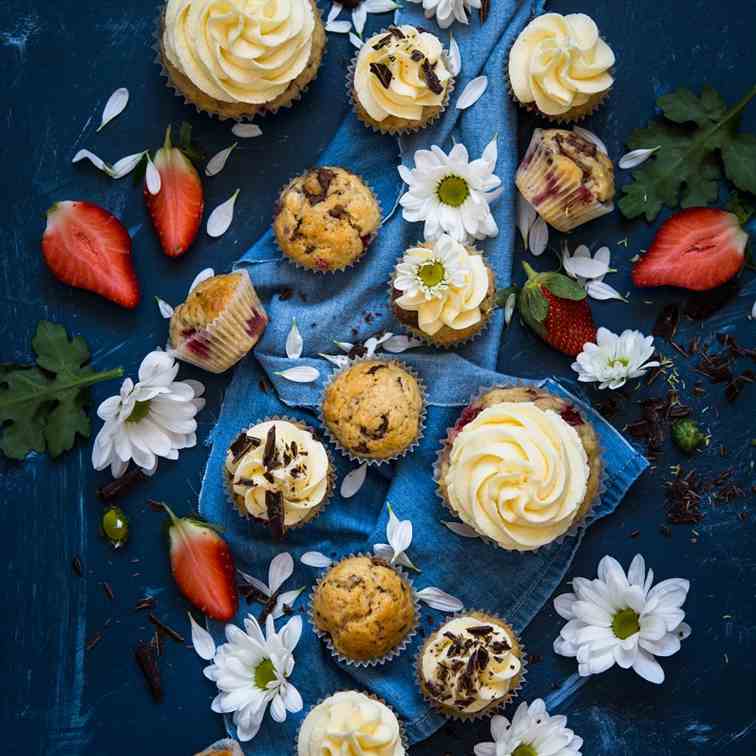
(42, 408)
(502, 295)
(741, 206)
(686, 169)
(534, 304)
(563, 286)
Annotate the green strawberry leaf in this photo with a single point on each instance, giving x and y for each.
(739, 155)
(533, 305)
(43, 408)
(563, 286)
(741, 206)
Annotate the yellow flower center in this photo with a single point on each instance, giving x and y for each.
(453, 190)
(431, 273)
(139, 412)
(625, 623)
(264, 673)
(524, 749)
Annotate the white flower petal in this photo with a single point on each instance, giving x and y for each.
(334, 12)
(460, 529)
(286, 599)
(526, 216)
(253, 581)
(220, 219)
(203, 275)
(435, 598)
(115, 105)
(636, 157)
(401, 343)
(538, 239)
(126, 165)
(602, 291)
(278, 709)
(340, 360)
(472, 92)
(165, 309)
(353, 481)
(455, 57)
(218, 161)
(509, 307)
(294, 342)
(359, 17)
(300, 374)
(356, 41)
(246, 130)
(152, 177)
(96, 161)
(202, 641)
(280, 570)
(291, 632)
(648, 668)
(339, 27)
(315, 559)
(380, 6)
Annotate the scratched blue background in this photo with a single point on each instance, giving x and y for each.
(59, 62)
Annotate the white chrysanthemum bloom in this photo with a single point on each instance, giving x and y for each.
(621, 619)
(532, 733)
(428, 273)
(251, 671)
(448, 11)
(614, 359)
(450, 193)
(150, 419)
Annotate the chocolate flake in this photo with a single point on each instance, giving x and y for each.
(242, 445)
(431, 79)
(76, 566)
(163, 628)
(148, 602)
(275, 509)
(417, 55)
(485, 7)
(270, 453)
(382, 72)
(121, 486)
(397, 32)
(480, 630)
(382, 42)
(108, 590)
(667, 322)
(146, 658)
(93, 641)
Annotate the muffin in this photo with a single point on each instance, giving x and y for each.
(443, 292)
(350, 722)
(278, 472)
(365, 608)
(325, 219)
(400, 82)
(470, 666)
(521, 467)
(560, 67)
(225, 747)
(220, 321)
(374, 410)
(236, 60)
(567, 179)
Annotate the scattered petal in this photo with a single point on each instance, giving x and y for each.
(405, 561)
(152, 177)
(383, 551)
(526, 216)
(202, 641)
(538, 239)
(126, 165)
(253, 581)
(455, 57)
(435, 598)
(509, 307)
(353, 481)
(300, 374)
(460, 528)
(294, 342)
(589, 136)
(246, 130)
(636, 157)
(203, 275)
(165, 309)
(315, 559)
(333, 13)
(218, 161)
(359, 17)
(285, 599)
(753, 311)
(584, 267)
(344, 346)
(401, 343)
(96, 161)
(340, 360)
(380, 6)
(374, 342)
(472, 92)
(355, 40)
(602, 291)
(114, 106)
(280, 570)
(220, 219)
(339, 27)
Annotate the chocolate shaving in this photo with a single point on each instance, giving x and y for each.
(736, 385)
(433, 82)
(667, 322)
(480, 630)
(683, 498)
(146, 658)
(169, 631)
(275, 509)
(398, 33)
(485, 7)
(242, 445)
(250, 593)
(93, 641)
(417, 55)
(121, 486)
(382, 72)
(268, 607)
(76, 566)
(148, 602)
(382, 42)
(270, 453)
(108, 590)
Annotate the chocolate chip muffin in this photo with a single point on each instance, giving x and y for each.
(374, 410)
(567, 179)
(365, 607)
(326, 219)
(220, 321)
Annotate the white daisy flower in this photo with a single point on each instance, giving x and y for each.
(621, 619)
(532, 732)
(150, 419)
(450, 193)
(614, 359)
(430, 272)
(251, 671)
(448, 11)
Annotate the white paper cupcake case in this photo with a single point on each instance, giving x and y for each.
(326, 638)
(423, 412)
(493, 708)
(368, 694)
(156, 46)
(366, 247)
(575, 527)
(226, 337)
(401, 131)
(316, 511)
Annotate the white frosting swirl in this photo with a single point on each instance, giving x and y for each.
(408, 91)
(300, 473)
(560, 62)
(453, 684)
(350, 724)
(239, 50)
(460, 279)
(517, 474)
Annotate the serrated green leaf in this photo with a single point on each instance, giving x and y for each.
(534, 304)
(741, 206)
(739, 156)
(563, 286)
(683, 106)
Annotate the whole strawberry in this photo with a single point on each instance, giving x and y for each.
(556, 308)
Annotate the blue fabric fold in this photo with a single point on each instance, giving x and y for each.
(351, 306)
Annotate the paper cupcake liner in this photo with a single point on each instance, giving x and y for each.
(371, 460)
(366, 247)
(368, 694)
(565, 210)
(226, 339)
(495, 706)
(315, 511)
(429, 340)
(263, 109)
(326, 638)
(579, 521)
(225, 745)
(400, 130)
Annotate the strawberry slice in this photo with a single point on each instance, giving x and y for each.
(699, 249)
(87, 247)
(176, 210)
(202, 566)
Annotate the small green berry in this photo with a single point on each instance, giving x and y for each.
(687, 435)
(115, 526)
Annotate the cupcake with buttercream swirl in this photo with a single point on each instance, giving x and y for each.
(240, 58)
(560, 66)
(400, 82)
(279, 473)
(521, 467)
(443, 291)
(350, 722)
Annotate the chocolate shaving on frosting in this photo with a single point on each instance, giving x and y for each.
(275, 508)
(383, 72)
(433, 82)
(270, 453)
(242, 445)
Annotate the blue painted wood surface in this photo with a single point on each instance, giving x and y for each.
(59, 62)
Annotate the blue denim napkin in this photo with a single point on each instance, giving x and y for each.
(350, 306)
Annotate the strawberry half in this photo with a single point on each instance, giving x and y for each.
(556, 308)
(176, 210)
(202, 566)
(699, 249)
(87, 247)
